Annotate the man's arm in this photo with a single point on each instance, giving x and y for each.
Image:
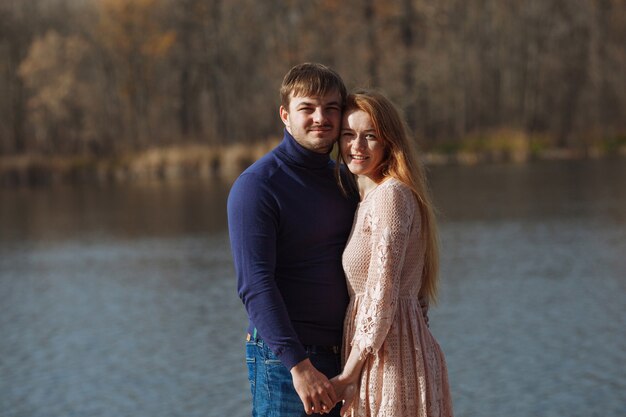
(253, 227)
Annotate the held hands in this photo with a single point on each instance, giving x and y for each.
(314, 389)
(346, 391)
(317, 393)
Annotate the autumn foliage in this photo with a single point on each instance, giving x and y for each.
(104, 77)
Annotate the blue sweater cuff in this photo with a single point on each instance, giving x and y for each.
(290, 357)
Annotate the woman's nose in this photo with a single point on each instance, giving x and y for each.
(359, 143)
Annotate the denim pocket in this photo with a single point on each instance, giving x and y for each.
(251, 349)
(270, 358)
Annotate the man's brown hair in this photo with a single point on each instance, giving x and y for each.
(310, 80)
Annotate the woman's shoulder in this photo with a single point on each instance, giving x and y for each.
(394, 191)
(393, 186)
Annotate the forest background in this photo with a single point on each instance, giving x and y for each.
(160, 89)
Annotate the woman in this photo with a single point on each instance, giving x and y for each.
(393, 365)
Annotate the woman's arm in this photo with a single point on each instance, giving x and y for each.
(346, 383)
(392, 217)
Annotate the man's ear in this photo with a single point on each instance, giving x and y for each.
(284, 116)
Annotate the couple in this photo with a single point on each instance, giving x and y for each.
(335, 267)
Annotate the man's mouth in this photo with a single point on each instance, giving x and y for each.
(320, 129)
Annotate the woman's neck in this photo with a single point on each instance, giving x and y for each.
(367, 184)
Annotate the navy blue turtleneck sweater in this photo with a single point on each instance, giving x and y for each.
(289, 224)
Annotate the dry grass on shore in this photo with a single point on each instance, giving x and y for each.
(226, 162)
(505, 145)
(157, 164)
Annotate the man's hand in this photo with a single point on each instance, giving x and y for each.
(316, 392)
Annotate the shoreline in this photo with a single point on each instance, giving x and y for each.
(225, 163)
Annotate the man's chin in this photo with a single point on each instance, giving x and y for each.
(324, 146)
(327, 138)
(324, 135)
(329, 142)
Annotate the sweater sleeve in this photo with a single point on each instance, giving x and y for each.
(390, 222)
(253, 221)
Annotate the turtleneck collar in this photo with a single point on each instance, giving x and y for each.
(299, 155)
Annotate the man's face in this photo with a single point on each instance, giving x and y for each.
(314, 122)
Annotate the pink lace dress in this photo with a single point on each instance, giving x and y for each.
(405, 371)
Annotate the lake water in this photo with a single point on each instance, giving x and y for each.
(121, 301)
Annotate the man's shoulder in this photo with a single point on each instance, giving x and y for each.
(259, 176)
(260, 170)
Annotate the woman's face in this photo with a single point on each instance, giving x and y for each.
(361, 148)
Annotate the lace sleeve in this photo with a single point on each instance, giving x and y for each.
(390, 219)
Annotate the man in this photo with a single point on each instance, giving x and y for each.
(288, 224)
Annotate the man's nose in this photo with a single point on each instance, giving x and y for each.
(318, 115)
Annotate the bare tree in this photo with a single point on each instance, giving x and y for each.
(160, 72)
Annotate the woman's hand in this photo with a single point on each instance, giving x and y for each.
(346, 391)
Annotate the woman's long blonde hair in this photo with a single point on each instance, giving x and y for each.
(402, 163)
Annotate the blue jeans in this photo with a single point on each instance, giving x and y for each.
(273, 394)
